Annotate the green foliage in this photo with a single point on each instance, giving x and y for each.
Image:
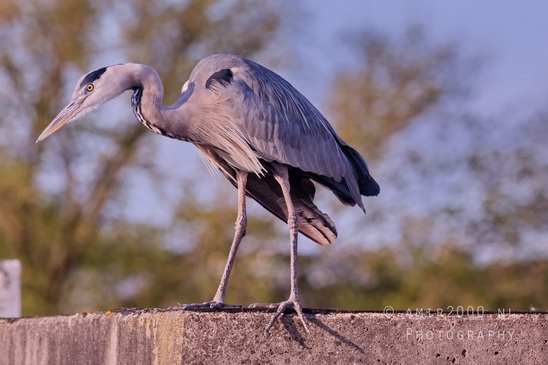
(449, 277)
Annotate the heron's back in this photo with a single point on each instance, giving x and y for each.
(276, 124)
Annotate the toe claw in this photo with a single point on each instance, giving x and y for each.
(291, 303)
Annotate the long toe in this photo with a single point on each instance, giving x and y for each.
(212, 304)
(291, 303)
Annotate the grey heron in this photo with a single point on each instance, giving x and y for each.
(265, 137)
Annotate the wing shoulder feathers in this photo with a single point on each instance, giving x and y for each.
(280, 125)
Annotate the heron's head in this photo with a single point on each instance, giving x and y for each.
(92, 90)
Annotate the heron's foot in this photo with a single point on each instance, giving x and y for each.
(290, 303)
(214, 304)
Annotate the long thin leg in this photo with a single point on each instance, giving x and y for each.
(239, 233)
(282, 177)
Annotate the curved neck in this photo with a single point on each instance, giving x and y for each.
(148, 92)
(147, 104)
(152, 118)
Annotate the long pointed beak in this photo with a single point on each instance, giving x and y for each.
(66, 115)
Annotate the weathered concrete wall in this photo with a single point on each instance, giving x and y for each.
(186, 337)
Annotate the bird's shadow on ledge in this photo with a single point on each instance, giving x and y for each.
(288, 320)
(290, 326)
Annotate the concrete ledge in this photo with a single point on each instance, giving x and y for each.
(173, 336)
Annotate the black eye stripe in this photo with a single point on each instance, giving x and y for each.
(92, 76)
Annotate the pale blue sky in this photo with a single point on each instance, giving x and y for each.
(514, 36)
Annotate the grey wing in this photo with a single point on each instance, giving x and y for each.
(281, 125)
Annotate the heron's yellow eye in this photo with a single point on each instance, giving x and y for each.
(89, 87)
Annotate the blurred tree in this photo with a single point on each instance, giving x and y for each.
(466, 195)
(511, 165)
(415, 277)
(397, 80)
(55, 196)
